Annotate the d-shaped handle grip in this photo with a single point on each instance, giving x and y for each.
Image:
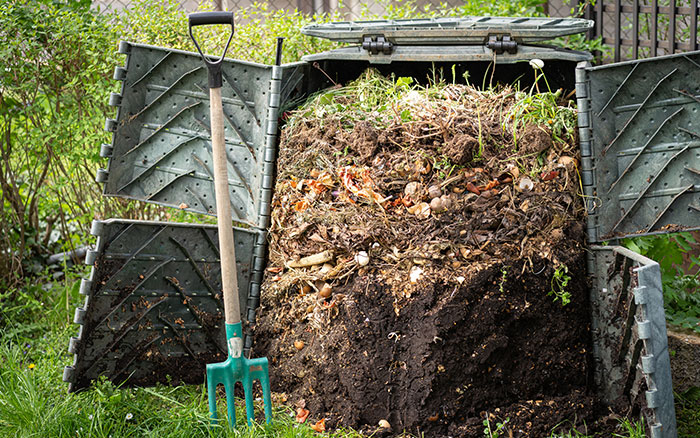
(213, 64)
(204, 18)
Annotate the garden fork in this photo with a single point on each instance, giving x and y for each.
(236, 368)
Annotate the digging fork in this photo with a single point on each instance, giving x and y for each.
(236, 368)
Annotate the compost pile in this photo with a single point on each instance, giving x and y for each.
(427, 269)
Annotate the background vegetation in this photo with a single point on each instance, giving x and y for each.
(55, 78)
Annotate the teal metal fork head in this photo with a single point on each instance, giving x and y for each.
(237, 368)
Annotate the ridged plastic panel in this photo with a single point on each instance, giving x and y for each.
(161, 148)
(153, 309)
(640, 145)
(630, 345)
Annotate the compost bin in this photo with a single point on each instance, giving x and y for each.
(152, 301)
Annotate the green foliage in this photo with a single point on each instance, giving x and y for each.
(504, 277)
(54, 76)
(681, 288)
(255, 38)
(498, 430)
(543, 108)
(580, 41)
(631, 429)
(560, 279)
(411, 9)
(371, 97)
(158, 23)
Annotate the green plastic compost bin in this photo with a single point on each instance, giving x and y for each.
(153, 298)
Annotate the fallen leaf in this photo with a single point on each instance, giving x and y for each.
(302, 205)
(326, 179)
(302, 415)
(320, 425)
(472, 188)
(491, 184)
(566, 160)
(548, 176)
(183, 206)
(525, 205)
(514, 171)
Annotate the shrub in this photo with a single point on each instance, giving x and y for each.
(54, 81)
(256, 29)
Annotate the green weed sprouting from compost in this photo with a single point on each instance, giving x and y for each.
(560, 280)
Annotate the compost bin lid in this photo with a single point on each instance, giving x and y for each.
(450, 31)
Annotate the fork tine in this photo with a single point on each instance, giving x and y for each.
(211, 392)
(248, 390)
(230, 401)
(267, 399)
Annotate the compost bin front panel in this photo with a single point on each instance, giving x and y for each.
(640, 142)
(153, 311)
(630, 346)
(161, 149)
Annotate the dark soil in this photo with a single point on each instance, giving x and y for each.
(454, 352)
(454, 319)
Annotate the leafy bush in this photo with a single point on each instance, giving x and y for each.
(54, 81)
(256, 29)
(410, 9)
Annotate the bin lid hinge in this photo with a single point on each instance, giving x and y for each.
(502, 43)
(376, 44)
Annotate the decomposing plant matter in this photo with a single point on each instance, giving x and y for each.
(422, 198)
(399, 173)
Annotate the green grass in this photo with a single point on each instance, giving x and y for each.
(34, 402)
